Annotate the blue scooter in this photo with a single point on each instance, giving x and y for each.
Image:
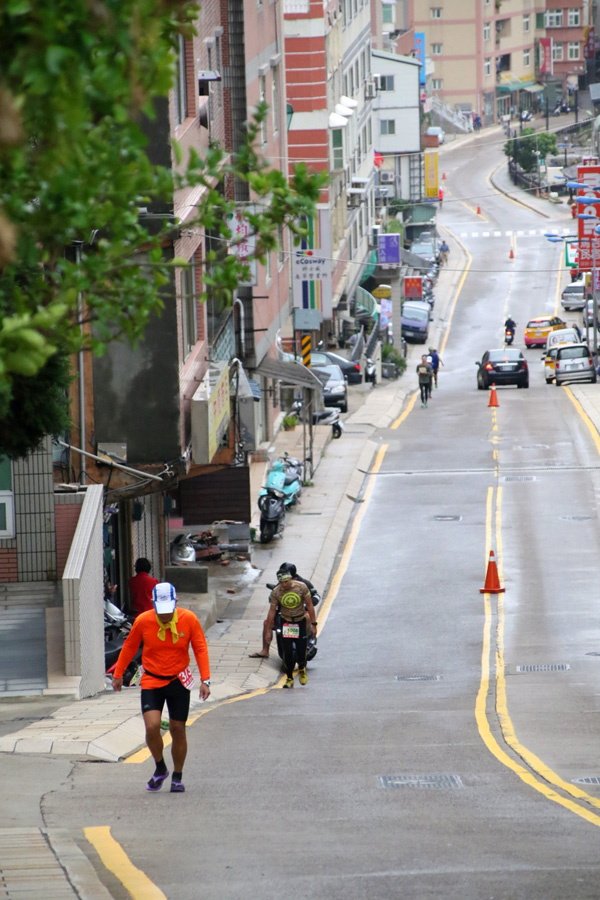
(283, 487)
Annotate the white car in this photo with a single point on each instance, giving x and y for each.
(574, 362)
(435, 129)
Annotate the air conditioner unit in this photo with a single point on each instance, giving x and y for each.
(370, 90)
(387, 177)
(375, 229)
(353, 200)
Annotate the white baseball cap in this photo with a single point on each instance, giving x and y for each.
(164, 598)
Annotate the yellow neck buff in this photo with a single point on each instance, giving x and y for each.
(171, 626)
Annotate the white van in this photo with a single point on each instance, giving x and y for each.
(563, 336)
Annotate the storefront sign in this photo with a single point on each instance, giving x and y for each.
(413, 287)
(210, 413)
(389, 249)
(589, 242)
(243, 243)
(431, 175)
(311, 267)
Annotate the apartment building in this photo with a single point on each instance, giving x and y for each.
(329, 94)
(488, 59)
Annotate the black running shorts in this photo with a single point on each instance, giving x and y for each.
(176, 696)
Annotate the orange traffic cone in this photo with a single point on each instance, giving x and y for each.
(444, 177)
(511, 255)
(493, 397)
(492, 582)
(478, 210)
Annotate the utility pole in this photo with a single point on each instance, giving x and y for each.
(547, 116)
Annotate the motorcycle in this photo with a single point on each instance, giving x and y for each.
(183, 552)
(116, 628)
(272, 513)
(330, 416)
(311, 651)
(509, 336)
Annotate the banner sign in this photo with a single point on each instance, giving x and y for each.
(243, 243)
(589, 242)
(420, 54)
(546, 60)
(431, 175)
(389, 249)
(311, 267)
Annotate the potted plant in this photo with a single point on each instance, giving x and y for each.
(289, 422)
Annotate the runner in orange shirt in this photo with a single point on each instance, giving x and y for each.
(167, 633)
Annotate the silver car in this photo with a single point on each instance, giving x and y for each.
(574, 362)
(573, 296)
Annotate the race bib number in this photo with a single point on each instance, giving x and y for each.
(186, 678)
(291, 631)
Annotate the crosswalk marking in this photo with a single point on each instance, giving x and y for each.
(532, 232)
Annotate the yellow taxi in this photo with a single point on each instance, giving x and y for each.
(538, 329)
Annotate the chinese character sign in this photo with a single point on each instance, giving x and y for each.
(589, 242)
(546, 60)
(431, 175)
(218, 412)
(420, 53)
(413, 287)
(243, 242)
(389, 249)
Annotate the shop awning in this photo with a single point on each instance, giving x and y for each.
(289, 373)
(534, 88)
(370, 266)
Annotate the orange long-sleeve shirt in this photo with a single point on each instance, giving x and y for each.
(164, 657)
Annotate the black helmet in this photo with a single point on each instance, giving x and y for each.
(286, 568)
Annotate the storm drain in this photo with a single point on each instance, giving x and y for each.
(419, 781)
(533, 447)
(417, 677)
(447, 518)
(587, 779)
(507, 478)
(576, 518)
(551, 667)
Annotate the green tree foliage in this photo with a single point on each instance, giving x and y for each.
(524, 147)
(77, 79)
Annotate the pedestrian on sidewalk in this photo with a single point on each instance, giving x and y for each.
(292, 598)
(444, 251)
(441, 195)
(141, 586)
(436, 361)
(167, 633)
(425, 375)
(267, 635)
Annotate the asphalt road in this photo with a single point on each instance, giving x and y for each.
(406, 769)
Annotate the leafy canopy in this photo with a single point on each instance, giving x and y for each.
(524, 148)
(77, 78)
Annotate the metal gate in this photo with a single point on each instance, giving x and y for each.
(23, 663)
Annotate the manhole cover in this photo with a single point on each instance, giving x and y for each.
(576, 518)
(420, 781)
(508, 478)
(552, 667)
(447, 518)
(309, 513)
(587, 779)
(417, 677)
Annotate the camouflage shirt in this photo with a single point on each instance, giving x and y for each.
(290, 596)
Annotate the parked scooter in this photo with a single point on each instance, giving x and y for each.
(183, 552)
(272, 513)
(283, 487)
(277, 628)
(330, 416)
(116, 628)
(370, 371)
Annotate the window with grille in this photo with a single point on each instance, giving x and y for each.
(487, 67)
(337, 147)
(574, 18)
(7, 517)
(436, 84)
(573, 50)
(554, 18)
(557, 52)
(180, 92)
(386, 82)
(526, 58)
(436, 49)
(189, 308)
(436, 12)
(526, 23)
(486, 31)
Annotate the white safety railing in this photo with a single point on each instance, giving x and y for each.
(461, 120)
(83, 598)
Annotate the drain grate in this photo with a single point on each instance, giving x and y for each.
(552, 667)
(507, 478)
(417, 677)
(447, 518)
(420, 781)
(587, 779)
(309, 513)
(576, 518)
(533, 447)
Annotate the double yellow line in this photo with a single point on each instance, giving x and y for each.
(536, 774)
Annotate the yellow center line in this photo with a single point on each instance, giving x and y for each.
(116, 861)
(537, 766)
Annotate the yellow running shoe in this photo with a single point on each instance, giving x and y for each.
(289, 683)
(302, 678)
